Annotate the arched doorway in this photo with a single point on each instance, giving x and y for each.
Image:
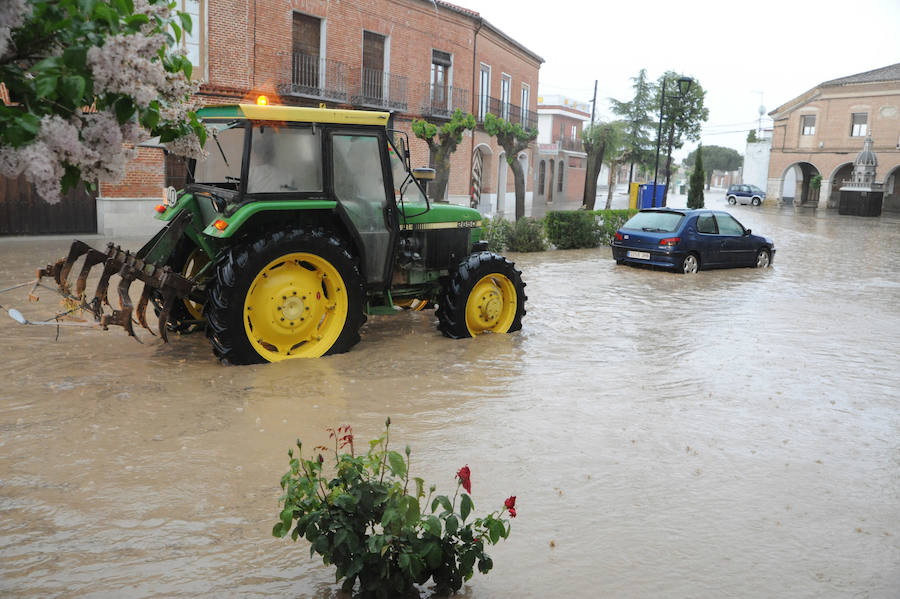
(502, 167)
(841, 173)
(797, 185)
(550, 186)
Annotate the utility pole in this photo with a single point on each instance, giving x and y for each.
(594, 103)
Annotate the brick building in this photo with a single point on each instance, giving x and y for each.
(561, 162)
(821, 132)
(414, 58)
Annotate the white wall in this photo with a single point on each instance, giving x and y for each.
(756, 163)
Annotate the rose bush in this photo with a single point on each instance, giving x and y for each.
(376, 525)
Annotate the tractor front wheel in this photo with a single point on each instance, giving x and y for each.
(484, 294)
(292, 294)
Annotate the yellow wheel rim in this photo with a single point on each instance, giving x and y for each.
(296, 307)
(196, 261)
(491, 305)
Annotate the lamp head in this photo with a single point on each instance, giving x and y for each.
(684, 85)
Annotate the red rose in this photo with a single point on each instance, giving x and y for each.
(511, 502)
(464, 476)
(512, 512)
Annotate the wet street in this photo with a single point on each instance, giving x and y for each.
(730, 434)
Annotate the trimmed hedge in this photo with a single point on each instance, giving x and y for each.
(569, 229)
(610, 221)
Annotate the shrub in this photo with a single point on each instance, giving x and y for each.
(496, 233)
(610, 221)
(527, 235)
(370, 523)
(572, 229)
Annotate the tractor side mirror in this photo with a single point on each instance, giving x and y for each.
(423, 174)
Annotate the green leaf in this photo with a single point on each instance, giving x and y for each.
(433, 525)
(345, 502)
(75, 57)
(278, 530)
(433, 554)
(177, 31)
(485, 564)
(452, 524)
(412, 511)
(398, 464)
(420, 487)
(186, 23)
(72, 88)
(465, 507)
(134, 22)
(444, 502)
(71, 178)
(45, 85)
(287, 515)
(125, 109)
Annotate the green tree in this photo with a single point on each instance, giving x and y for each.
(695, 192)
(598, 139)
(682, 116)
(513, 139)
(442, 141)
(57, 58)
(751, 137)
(637, 143)
(716, 158)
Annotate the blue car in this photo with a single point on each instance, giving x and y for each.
(688, 240)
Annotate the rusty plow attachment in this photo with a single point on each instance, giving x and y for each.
(161, 284)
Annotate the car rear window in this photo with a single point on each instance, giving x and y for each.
(654, 221)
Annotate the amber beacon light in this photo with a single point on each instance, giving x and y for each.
(262, 101)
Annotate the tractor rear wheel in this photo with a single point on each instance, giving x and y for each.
(292, 294)
(484, 294)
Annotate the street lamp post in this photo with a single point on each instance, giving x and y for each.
(684, 86)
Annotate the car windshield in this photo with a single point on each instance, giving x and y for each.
(224, 151)
(653, 221)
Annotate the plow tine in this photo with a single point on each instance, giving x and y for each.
(168, 302)
(78, 249)
(92, 259)
(141, 310)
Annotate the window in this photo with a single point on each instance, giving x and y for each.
(285, 160)
(661, 222)
(373, 66)
(194, 43)
(728, 226)
(808, 124)
(859, 124)
(222, 164)
(706, 224)
(574, 132)
(306, 35)
(505, 85)
(441, 65)
(526, 100)
(484, 91)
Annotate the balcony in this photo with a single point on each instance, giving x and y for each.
(509, 112)
(440, 101)
(571, 144)
(313, 77)
(377, 89)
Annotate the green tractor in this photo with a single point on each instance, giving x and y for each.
(297, 224)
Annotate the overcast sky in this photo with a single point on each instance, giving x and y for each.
(744, 53)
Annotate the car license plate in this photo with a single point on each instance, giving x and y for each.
(639, 255)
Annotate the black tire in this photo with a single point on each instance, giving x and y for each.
(755, 201)
(181, 320)
(690, 264)
(474, 274)
(732, 200)
(238, 269)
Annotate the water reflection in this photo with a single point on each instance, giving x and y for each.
(731, 433)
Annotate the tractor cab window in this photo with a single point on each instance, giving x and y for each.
(284, 160)
(403, 182)
(224, 151)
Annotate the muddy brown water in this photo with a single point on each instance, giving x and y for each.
(730, 434)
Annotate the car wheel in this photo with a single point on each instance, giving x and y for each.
(763, 258)
(690, 264)
(732, 201)
(755, 201)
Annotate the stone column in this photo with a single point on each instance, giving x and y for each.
(773, 191)
(825, 195)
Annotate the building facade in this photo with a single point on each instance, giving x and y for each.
(561, 162)
(817, 136)
(412, 58)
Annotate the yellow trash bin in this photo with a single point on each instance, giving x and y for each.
(633, 196)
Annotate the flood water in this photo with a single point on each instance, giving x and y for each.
(730, 434)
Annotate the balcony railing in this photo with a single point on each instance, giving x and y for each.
(313, 77)
(377, 89)
(442, 100)
(505, 110)
(571, 144)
